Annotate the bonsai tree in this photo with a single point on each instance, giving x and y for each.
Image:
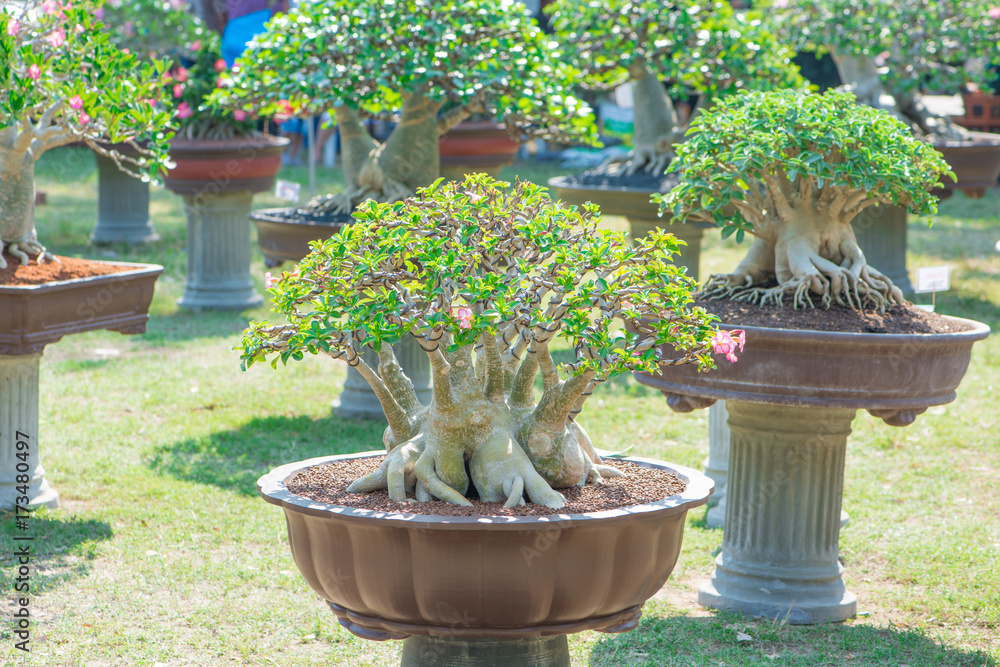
(697, 46)
(793, 170)
(63, 82)
(167, 29)
(432, 62)
(888, 51)
(486, 278)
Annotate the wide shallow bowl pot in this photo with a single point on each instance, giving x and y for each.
(283, 240)
(976, 165)
(32, 316)
(895, 376)
(392, 575)
(209, 167)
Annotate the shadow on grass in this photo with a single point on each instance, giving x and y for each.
(683, 641)
(235, 459)
(61, 549)
(187, 325)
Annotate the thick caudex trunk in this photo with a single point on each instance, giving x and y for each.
(17, 207)
(655, 128)
(860, 75)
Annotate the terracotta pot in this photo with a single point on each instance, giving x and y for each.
(982, 112)
(282, 240)
(389, 576)
(207, 167)
(32, 316)
(476, 146)
(976, 165)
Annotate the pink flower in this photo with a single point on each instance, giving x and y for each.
(184, 110)
(84, 118)
(220, 65)
(177, 4)
(78, 29)
(99, 13)
(269, 280)
(128, 28)
(780, 3)
(240, 114)
(57, 38)
(182, 74)
(125, 51)
(881, 58)
(50, 7)
(35, 72)
(464, 316)
(13, 27)
(727, 342)
(196, 45)
(178, 90)
(75, 102)
(994, 13)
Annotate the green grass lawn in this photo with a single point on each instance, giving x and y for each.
(163, 554)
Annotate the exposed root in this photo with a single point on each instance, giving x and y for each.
(653, 158)
(732, 286)
(23, 249)
(396, 474)
(344, 202)
(501, 471)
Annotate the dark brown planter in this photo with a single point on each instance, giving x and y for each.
(32, 316)
(206, 167)
(283, 240)
(476, 146)
(894, 376)
(976, 165)
(389, 576)
(982, 112)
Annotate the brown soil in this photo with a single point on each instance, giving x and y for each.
(66, 268)
(895, 320)
(327, 483)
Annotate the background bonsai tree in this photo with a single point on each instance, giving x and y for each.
(412, 58)
(167, 29)
(793, 170)
(486, 279)
(699, 47)
(887, 51)
(61, 82)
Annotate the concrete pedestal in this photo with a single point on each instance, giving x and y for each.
(717, 463)
(21, 472)
(358, 401)
(779, 555)
(881, 235)
(690, 255)
(422, 651)
(218, 247)
(122, 207)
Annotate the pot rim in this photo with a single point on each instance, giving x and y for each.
(272, 487)
(978, 332)
(132, 269)
(563, 182)
(266, 215)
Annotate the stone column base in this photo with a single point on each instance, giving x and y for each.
(122, 207)
(421, 651)
(21, 472)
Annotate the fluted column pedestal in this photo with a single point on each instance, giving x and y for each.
(423, 651)
(690, 255)
(122, 207)
(717, 463)
(780, 550)
(21, 472)
(218, 247)
(358, 401)
(881, 235)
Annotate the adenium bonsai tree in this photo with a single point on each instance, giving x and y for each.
(793, 170)
(699, 47)
(487, 278)
(432, 63)
(61, 82)
(888, 51)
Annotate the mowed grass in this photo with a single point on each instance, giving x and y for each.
(163, 553)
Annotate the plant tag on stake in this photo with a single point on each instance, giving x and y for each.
(933, 279)
(287, 190)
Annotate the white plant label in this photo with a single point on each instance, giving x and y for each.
(287, 190)
(933, 279)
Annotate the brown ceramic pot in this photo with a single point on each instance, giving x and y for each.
(476, 146)
(893, 376)
(283, 240)
(389, 576)
(227, 165)
(976, 165)
(32, 316)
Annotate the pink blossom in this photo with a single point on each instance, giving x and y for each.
(240, 114)
(13, 27)
(84, 118)
(881, 58)
(35, 72)
(128, 28)
(220, 65)
(78, 29)
(184, 110)
(50, 7)
(269, 280)
(464, 316)
(994, 13)
(99, 13)
(125, 51)
(196, 45)
(182, 74)
(727, 342)
(57, 38)
(177, 4)
(178, 90)
(781, 3)
(76, 102)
